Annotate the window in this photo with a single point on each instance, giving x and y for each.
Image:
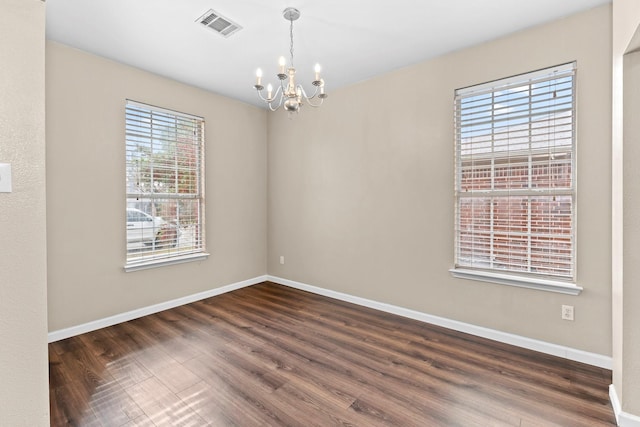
(164, 179)
(515, 176)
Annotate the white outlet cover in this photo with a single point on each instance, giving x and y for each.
(5, 178)
(567, 312)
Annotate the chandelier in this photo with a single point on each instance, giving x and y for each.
(289, 94)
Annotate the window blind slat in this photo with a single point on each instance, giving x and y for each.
(554, 73)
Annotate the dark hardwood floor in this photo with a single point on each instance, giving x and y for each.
(272, 355)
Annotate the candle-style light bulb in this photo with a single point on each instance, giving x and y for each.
(282, 62)
(269, 91)
(317, 70)
(259, 77)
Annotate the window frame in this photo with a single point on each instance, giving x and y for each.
(506, 275)
(185, 179)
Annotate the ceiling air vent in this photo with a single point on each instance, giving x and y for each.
(220, 24)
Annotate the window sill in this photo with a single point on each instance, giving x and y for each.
(519, 281)
(144, 265)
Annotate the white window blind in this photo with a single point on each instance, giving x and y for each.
(164, 184)
(515, 174)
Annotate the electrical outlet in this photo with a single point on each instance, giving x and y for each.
(5, 178)
(281, 259)
(567, 312)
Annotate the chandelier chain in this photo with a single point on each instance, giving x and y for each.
(291, 37)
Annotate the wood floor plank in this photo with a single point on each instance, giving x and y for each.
(127, 371)
(141, 421)
(244, 395)
(311, 406)
(113, 406)
(216, 406)
(69, 406)
(269, 355)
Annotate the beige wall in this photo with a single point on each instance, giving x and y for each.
(24, 397)
(625, 204)
(630, 385)
(361, 190)
(86, 181)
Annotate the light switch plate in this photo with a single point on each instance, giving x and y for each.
(5, 178)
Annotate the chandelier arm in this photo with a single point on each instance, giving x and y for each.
(307, 97)
(260, 95)
(280, 99)
(269, 102)
(277, 107)
(278, 93)
(275, 95)
(278, 96)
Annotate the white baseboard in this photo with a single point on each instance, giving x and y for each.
(622, 418)
(144, 311)
(520, 341)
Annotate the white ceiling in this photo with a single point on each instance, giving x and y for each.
(353, 40)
